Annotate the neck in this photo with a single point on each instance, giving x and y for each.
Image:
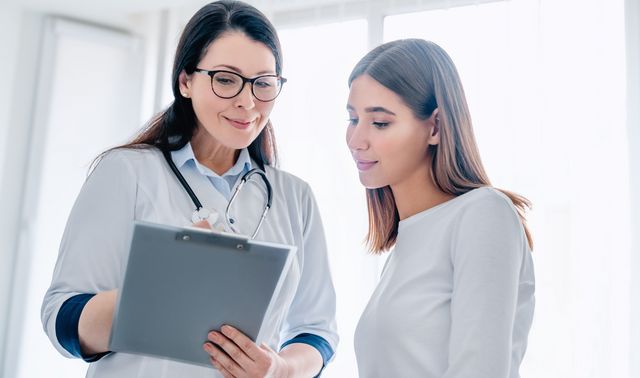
(418, 193)
(211, 153)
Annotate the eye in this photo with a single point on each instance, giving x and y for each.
(225, 79)
(380, 125)
(263, 84)
(352, 121)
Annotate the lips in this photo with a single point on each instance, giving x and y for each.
(240, 124)
(364, 165)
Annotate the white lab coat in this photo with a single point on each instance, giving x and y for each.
(129, 185)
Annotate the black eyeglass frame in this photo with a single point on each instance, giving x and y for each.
(245, 80)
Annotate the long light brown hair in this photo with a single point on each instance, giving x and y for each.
(424, 76)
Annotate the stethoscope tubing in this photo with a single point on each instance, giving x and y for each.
(243, 180)
(183, 181)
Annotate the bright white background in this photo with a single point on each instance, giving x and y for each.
(545, 81)
(74, 122)
(310, 122)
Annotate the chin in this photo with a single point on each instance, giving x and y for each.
(243, 138)
(368, 183)
(373, 187)
(241, 141)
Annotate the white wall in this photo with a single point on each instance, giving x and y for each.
(19, 38)
(633, 125)
(9, 32)
(88, 99)
(10, 18)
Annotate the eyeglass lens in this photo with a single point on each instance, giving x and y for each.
(227, 85)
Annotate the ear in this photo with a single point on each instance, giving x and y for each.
(184, 83)
(433, 124)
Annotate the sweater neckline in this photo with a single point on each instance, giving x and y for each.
(403, 224)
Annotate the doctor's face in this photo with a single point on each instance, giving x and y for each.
(233, 122)
(387, 142)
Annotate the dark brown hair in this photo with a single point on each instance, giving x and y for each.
(173, 128)
(424, 76)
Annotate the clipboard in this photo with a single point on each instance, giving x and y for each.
(181, 283)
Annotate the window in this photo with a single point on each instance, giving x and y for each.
(310, 122)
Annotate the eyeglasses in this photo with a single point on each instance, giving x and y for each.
(227, 84)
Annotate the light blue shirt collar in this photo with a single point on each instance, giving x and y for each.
(224, 183)
(185, 154)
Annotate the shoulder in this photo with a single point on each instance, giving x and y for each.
(485, 204)
(292, 193)
(124, 161)
(129, 156)
(487, 216)
(287, 182)
(488, 232)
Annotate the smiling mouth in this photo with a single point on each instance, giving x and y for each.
(239, 124)
(364, 165)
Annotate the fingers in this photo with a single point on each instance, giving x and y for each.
(222, 361)
(202, 224)
(225, 373)
(237, 354)
(242, 341)
(230, 348)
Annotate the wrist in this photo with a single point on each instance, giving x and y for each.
(302, 360)
(286, 370)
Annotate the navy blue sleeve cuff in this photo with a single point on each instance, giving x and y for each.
(67, 326)
(317, 342)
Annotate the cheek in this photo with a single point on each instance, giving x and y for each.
(206, 107)
(264, 109)
(390, 148)
(348, 135)
(399, 154)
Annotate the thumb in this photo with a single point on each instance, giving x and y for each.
(266, 348)
(202, 224)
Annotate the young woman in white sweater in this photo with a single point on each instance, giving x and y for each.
(456, 296)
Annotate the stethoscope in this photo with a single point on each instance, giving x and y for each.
(201, 213)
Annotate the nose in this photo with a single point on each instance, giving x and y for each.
(245, 99)
(357, 137)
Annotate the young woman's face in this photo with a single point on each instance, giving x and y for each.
(237, 121)
(388, 143)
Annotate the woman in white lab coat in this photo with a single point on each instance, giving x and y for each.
(456, 296)
(226, 76)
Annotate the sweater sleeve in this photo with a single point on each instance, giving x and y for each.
(487, 256)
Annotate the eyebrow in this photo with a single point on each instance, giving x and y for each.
(374, 109)
(238, 70)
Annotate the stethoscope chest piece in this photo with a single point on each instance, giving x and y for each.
(205, 214)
